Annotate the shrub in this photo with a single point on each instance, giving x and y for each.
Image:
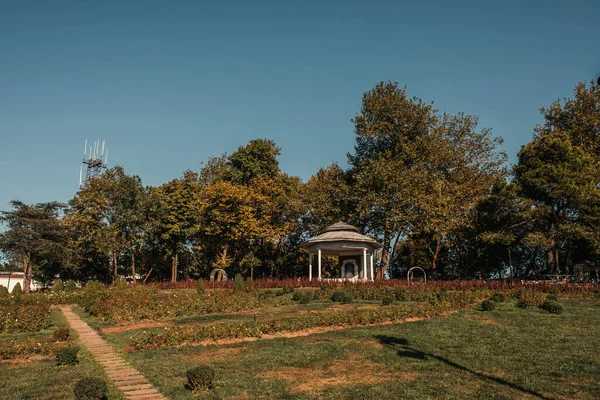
(70, 286)
(90, 389)
(530, 298)
(200, 377)
(341, 296)
(552, 306)
(92, 286)
(238, 283)
(61, 334)
(200, 286)
(287, 289)
(3, 291)
(67, 355)
(498, 297)
(488, 305)
(248, 285)
(57, 286)
(443, 294)
(17, 291)
(387, 300)
(303, 297)
(401, 295)
(552, 297)
(120, 283)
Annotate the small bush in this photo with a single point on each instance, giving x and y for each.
(61, 334)
(120, 283)
(401, 295)
(200, 287)
(67, 355)
(57, 286)
(303, 297)
(17, 291)
(443, 294)
(238, 283)
(498, 297)
(248, 285)
(552, 297)
(266, 294)
(92, 286)
(90, 389)
(341, 296)
(387, 300)
(488, 305)
(200, 377)
(552, 306)
(70, 286)
(3, 291)
(287, 289)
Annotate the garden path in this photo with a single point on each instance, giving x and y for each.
(126, 378)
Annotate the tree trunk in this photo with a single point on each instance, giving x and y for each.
(27, 272)
(174, 268)
(436, 253)
(385, 256)
(133, 266)
(115, 275)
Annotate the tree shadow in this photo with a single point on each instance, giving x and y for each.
(403, 349)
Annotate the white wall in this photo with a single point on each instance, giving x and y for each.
(14, 279)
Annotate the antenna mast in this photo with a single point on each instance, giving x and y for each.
(95, 158)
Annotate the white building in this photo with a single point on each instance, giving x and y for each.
(10, 279)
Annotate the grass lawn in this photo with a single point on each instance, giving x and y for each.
(38, 378)
(507, 353)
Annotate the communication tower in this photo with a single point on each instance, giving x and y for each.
(96, 159)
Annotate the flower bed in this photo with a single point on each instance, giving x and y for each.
(197, 333)
(24, 314)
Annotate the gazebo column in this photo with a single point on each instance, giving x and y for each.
(310, 266)
(371, 265)
(364, 263)
(319, 262)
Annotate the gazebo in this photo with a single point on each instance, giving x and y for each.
(355, 251)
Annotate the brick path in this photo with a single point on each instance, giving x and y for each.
(127, 379)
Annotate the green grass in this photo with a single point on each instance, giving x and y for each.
(502, 354)
(40, 378)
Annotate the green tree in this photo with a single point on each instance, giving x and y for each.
(35, 239)
(178, 215)
(562, 181)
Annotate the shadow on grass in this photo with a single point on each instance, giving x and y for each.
(405, 350)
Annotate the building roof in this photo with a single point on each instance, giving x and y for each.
(341, 235)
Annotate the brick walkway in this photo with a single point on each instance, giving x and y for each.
(127, 379)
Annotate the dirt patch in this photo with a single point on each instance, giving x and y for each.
(341, 372)
(493, 322)
(24, 360)
(213, 354)
(133, 327)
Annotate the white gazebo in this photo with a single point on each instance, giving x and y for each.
(355, 251)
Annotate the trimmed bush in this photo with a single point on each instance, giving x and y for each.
(57, 286)
(488, 305)
(552, 297)
(200, 286)
(3, 291)
(443, 294)
(70, 286)
(92, 286)
(17, 291)
(552, 306)
(120, 283)
(200, 377)
(387, 300)
(61, 334)
(303, 297)
(67, 356)
(90, 389)
(498, 297)
(238, 283)
(287, 289)
(341, 296)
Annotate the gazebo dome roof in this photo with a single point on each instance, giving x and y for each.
(341, 235)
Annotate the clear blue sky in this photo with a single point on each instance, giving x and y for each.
(170, 83)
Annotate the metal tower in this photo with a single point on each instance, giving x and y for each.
(96, 159)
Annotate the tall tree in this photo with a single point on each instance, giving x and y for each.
(35, 238)
(562, 181)
(177, 219)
